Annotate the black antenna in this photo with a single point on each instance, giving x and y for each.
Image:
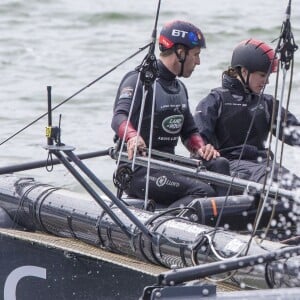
(148, 68)
(154, 32)
(288, 10)
(49, 139)
(52, 133)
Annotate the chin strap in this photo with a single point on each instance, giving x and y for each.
(181, 59)
(245, 83)
(182, 66)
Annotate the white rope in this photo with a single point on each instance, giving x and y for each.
(128, 119)
(271, 178)
(150, 145)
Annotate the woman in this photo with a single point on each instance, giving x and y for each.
(236, 118)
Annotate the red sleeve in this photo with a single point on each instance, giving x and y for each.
(194, 143)
(131, 132)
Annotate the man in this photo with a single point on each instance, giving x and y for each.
(236, 118)
(180, 45)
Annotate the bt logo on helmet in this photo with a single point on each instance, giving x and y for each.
(192, 37)
(177, 32)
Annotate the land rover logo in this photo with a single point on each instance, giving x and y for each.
(173, 124)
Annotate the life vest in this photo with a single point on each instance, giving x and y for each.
(235, 117)
(169, 111)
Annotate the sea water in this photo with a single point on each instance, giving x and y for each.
(67, 44)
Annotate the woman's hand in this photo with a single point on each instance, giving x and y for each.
(208, 152)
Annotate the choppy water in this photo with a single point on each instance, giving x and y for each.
(68, 44)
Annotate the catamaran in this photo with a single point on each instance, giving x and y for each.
(98, 245)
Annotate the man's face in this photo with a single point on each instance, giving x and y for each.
(192, 59)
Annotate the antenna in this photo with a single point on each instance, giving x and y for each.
(148, 68)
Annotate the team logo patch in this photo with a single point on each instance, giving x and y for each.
(161, 181)
(126, 92)
(238, 97)
(173, 124)
(258, 107)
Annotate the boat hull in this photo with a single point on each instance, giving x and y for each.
(179, 243)
(36, 266)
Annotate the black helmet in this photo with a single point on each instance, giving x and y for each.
(180, 32)
(254, 55)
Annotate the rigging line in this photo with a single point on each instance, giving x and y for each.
(219, 256)
(262, 203)
(286, 51)
(282, 146)
(275, 154)
(142, 105)
(287, 106)
(150, 80)
(128, 120)
(242, 150)
(263, 198)
(76, 93)
(150, 145)
(142, 109)
(147, 74)
(268, 154)
(286, 47)
(239, 160)
(280, 174)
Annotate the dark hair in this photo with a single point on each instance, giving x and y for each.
(172, 50)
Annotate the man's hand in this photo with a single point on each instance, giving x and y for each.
(208, 152)
(139, 143)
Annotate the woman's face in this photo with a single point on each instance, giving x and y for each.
(257, 80)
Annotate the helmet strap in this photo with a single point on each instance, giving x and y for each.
(181, 59)
(245, 82)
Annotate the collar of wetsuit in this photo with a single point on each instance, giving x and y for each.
(234, 85)
(164, 72)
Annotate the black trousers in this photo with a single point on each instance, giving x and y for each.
(256, 171)
(166, 187)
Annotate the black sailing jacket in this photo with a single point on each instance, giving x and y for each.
(224, 117)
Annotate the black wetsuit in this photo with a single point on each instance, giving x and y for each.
(224, 117)
(172, 120)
